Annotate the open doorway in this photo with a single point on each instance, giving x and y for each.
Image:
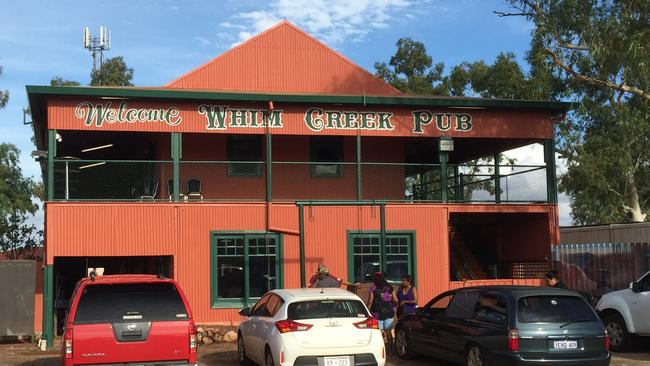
(498, 245)
(69, 270)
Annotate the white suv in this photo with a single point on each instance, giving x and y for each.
(626, 313)
(326, 327)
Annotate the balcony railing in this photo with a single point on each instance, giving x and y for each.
(287, 181)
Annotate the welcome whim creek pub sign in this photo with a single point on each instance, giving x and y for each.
(217, 117)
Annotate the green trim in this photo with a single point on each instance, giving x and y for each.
(176, 170)
(51, 154)
(412, 260)
(551, 177)
(48, 305)
(132, 92)
(269, 167)
(359, 188)
(444, 157)
(301, 239)
(497, 178)
(215, 302)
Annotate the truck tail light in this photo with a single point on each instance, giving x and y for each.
(607, 341)
(67, 342)
(513, 340)
(369, 323)
(193, 338)
(288, 325)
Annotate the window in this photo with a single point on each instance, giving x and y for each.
(244, 266)
(554, 309)
(462, 305)
(396, 257)
(644, 284)
(248, 149)
(438, 305)
(326, 149)
(129, 302)
(322, 309)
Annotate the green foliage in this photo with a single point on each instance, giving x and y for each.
(16, 235)
(59, 81)
(114, 72)
(600, 51)
(4, 95)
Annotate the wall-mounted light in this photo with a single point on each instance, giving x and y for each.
(445, 143)
(97, 148)
(59, 138)
(39, 154)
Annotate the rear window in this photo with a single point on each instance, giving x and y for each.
(130, 302)
(554, 309)
(320, 309)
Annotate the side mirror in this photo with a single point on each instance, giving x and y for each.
(635, 286)
(245, 312)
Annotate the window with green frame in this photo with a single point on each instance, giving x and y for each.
(366, 255)
(243, 266)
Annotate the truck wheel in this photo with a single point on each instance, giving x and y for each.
(241, 352)
(618, 334)
(403, 344)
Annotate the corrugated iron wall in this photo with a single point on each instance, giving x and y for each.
(614, 233)
(183, 230)
(599, 268)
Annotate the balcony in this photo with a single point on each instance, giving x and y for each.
(212, 168)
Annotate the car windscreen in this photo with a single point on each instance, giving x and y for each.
(129, 302)
(319, 309)
(554, 309)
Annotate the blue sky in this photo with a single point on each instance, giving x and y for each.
(163, 39)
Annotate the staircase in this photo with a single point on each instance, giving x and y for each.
(463, 262)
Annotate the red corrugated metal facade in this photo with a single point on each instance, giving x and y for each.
(286, 60)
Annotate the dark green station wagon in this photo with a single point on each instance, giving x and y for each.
(505, 325)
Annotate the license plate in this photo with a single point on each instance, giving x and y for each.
(565, 344)
(337, 361)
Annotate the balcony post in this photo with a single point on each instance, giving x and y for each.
(269, 167)
(51, 154)
(359, 193)
(551, 178)
(444, 157)
(176, 170)
(301, 239)
(497, 178)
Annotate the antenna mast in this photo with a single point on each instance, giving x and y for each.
(97, 45)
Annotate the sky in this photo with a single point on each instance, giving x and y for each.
(162, 39)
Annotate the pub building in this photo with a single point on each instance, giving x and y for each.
(244, 174)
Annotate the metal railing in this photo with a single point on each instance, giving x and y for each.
(220, 180)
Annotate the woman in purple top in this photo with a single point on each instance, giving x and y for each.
(407, 295)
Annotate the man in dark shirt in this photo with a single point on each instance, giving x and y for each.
(553, 280)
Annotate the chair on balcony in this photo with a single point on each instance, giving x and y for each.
(194, 189)
(152, 194)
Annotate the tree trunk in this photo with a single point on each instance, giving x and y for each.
(632, 206)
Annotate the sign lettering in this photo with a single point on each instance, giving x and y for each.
(98, 114)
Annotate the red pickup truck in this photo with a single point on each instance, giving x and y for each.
(129, 319)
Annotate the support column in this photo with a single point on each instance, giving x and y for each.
(497, 178)
(444, 158)
(301, 231)
(51, 154)
(359, 193)
(48, 305)
(551, 177)
(177, 149)
(382, 237)
(269, 167)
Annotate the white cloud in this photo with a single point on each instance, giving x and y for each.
(203, 40)
(333, 21)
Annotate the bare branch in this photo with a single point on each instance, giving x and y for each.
(504, 14)
(570, 46)
(608, 84)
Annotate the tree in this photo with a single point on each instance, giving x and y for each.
(16, 191)
(59, 81)
(599, 50)
(114, 72)
(4, 95)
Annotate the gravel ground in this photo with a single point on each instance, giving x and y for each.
(224, 354)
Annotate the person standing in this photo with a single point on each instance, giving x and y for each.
(407, 297)
(323, 278)
(553, 280)
(381, 303)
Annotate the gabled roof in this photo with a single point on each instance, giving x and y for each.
(283, 59)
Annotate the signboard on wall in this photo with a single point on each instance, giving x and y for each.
(297, 119)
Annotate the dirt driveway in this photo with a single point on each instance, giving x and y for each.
(225, 354)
